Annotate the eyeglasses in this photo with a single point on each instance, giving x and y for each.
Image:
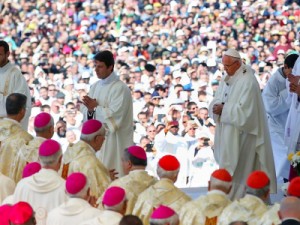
(193, 128)
(151, 130)
(174, 127)
(51, 90)
(184, 121)
(227, 66)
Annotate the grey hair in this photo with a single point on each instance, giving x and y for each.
(82, 193)
(260, 193)
(166, 174)
(90, 137)
(44, 128)
(116, 208)
(173, 220)
(50, 160)
(220, 184)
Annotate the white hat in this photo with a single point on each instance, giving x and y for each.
(68, 82)
(176, 74)
(179, 33)
(123, 39)
(202, 134)
(81, 86)
(233, 53)
(85, 74)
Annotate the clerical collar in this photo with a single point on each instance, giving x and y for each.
(111, 78)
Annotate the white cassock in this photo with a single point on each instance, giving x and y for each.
(242, 140)
(74, 211)
(44, 191)
(7, 187)
(202, 164)
(175, 145)
(292, 128)
(115, 111)
(274, 96)
(106, 217)
(12, 81)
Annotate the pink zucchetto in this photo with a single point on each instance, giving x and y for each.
(49, 147)
(137, 152)
(162, 212)
(20, 213)
(30, 169)
(113, 196)
(42, 119)
(91, 126)
(75, 183)
(4, 214)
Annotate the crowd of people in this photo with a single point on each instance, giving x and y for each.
(182, 80)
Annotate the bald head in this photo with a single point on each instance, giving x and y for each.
(290, 207)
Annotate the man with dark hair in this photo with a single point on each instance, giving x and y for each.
(12, 80)
(110, 101)
(274, 96)
(137, 180)
(130, 220)
(13, 136)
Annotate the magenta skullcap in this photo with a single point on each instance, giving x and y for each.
(20, 213)
(113, 196)
(42, 119)
(49, 147)
(162, 212)
(137, 152)
(91, 126)
(30, 169)
(75, 183)
(4, 214)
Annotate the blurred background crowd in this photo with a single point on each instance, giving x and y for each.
(168, 52)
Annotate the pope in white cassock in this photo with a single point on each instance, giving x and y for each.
(12, 81)
(242, 140)
(110, 102)
(274, 96)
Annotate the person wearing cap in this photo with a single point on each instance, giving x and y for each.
(76, 209)
(252, 206)
(7, 187)
(12, 135)
(190, 133)
(4, 214)
(21, 213)
(12, 81)
(110, 101)
(242, 141)
(164, 215)
(289, 211)
(45, 190)
(44, 129)
(274, 97)
(201, 160)
(206, 209)
(168, 141)
(77, 155)
(162, 192)
(136, 179)
(114, 203)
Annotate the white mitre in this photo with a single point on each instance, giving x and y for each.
(233, 53)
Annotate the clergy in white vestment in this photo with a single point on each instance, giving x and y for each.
(81, 157)
(201, 161)
(168, 141)
(164, 215)
(21, 213)
(44, 190)
(136, 179)
(12, 135)
(292, 128)
(252, 206)
(242, 140)
(207, 208)
(7, 187)
(162, 192)
(12, 81)
(114, 204)
(44, 129)
(77, 209)
(277, 108)
(110, 101)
